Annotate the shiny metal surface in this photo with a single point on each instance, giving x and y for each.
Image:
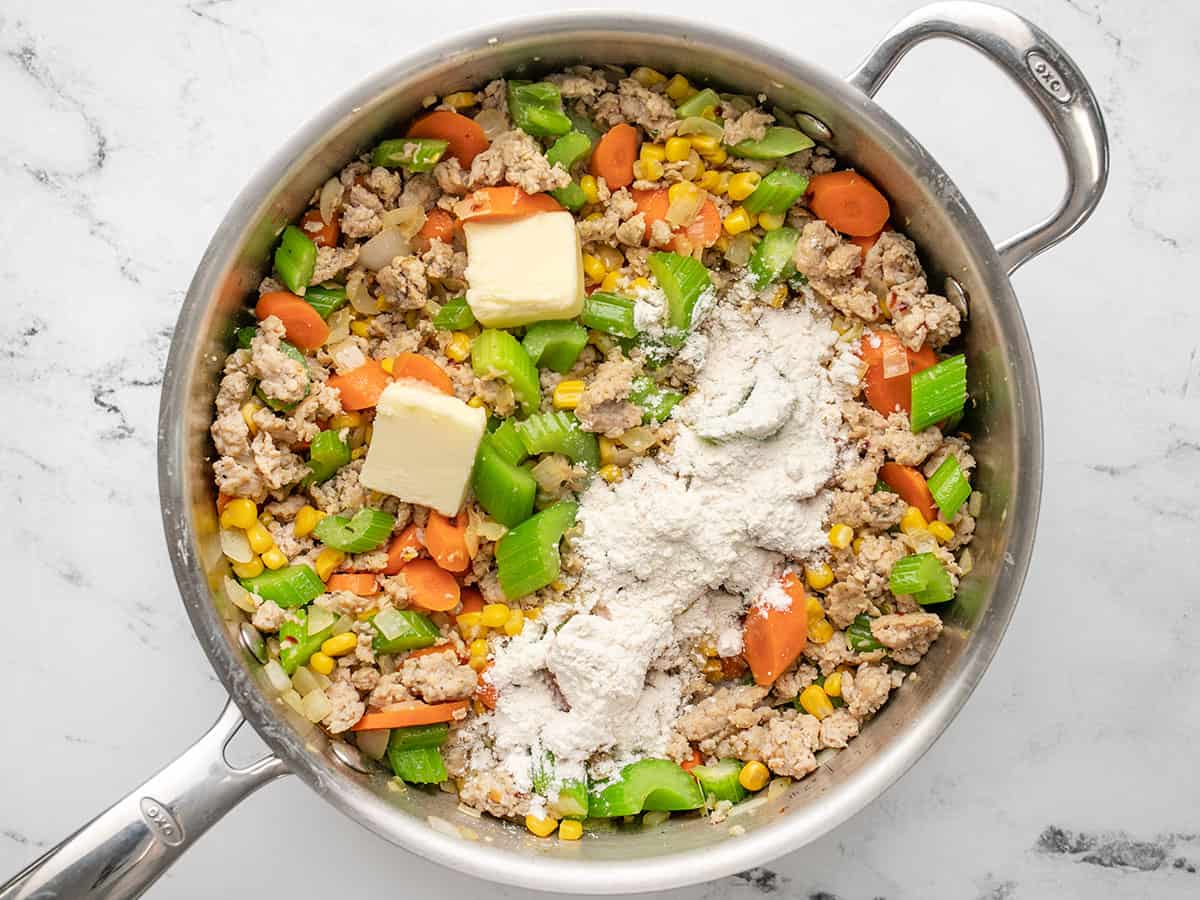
(1006, 421)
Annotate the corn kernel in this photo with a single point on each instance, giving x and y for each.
(515, 624)
(722, 243)
(937, 528)
(640, 284)
(460, 99)
(684, 191)
(239, 513)
(820, 631)
(360, 327)
(704, 143)
(610, 256)
(476, 402)
(819, 576)
(647, 77)
(249, 408)
(459, 347)
(345, 420)
(274, 559)
(754, 776)
(567, 394)
(718, 157)
(815, 701)
(340, 644)
(856, 546)
(608, 451)
(590, 189)
(478, 663)
(479, 647)
(533, 613)
(779, 296)
(678, 88)
(840, 536)
(328, 560)
(321, 663)
(770, 221)
(358, 452)
(742, 185)
(710, 181)
(306, 520)
(911, 522)
(652, 153)
(541, 827)
(494, 615)
(248, 569)
(611, 473)
(647, 170)
(593, 268)
(813, 609)
(570, 830)
(469, 619)
(833, 684)
(678, 149)
(738, 221)
(260, 539)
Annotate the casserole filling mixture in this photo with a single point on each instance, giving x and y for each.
(592, 452)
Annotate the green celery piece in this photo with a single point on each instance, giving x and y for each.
(572, 800)
(656, 402)
(421, 766)
(527, 558)
(939, 392)
(456, 315)
(571, 196)
(696, 104)
(555, 345)
(683, 279)
(279, 405)
(777, 143)
(584, 126)
(571, 148)
(289, 587)
(497, 354)
(296, 645)
(412, 631)
(295, 259)
(409, 153)
(326, 454)
(244, 336)
(720, 780)
(699, 125)
(776, 193)
(922, 576)
(949, 486)
(418, 737)
(503, 488)
(507, 442)
(559, 432)
(326, 298)
(541, 772)
(772, 255)
(859, 636)
(365, 530)
(610, 313)
(647, 785)
(537, 109)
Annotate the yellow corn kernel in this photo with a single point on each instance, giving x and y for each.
(260, 539)
(239, 513)
(819, 576)
(647, 170)
(652, 153)
(770, 221)
(610, 256)
(820, 631)
(249, 408)
(478, 663)
(306, 521)
(937, 528)
(274, 559)
(321, 663)
(813, 609)
(567, 394)
(249, 569)
(360, 327)
(328, 560)
(460, 99)
(386, 364)
(738, 221)
(469, 625)
(678, 88)
(340, 644)
(815, 701)
(683, 191)
(459, 347)
(590, 189)
(754, 776)
(611, 473)
(718, 157)
(722, 243)
(515, 624)
(833, 684)
(533, 613)
(358, 452)
(856, 546)
(593, 268)
(541, 827)
(742, 185)
(570, 830)
(704, 143)
(911, 522)
(611, 282)
(678, 149)
(710, 181)
(647, 77)
(479, 647)
(345, 420)
(779, 297)
(366, 614)
(476, 402)
(494, 615)
(640, 284)
(608, 451)
(840, 536)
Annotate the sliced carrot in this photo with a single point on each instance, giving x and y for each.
(439, 226)
(911, 486)
(304, 326)
(702, 231)
(472, 601)
(773, 638)
(447, 541)
(865, 243)
(360, 388)
(320, 232)
(404, 715)
(495, 202)
(422, 368)
(886, 395)
(485, 689)
(849, 203)
(614, 155)
(404, 548)
(733, 666)
(429, 651)
(692, 761)
(223, 500)
(465, 136)
(362, 583)
(430, 587)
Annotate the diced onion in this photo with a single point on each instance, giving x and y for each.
(895, 360)
(390, 623)
(740, 249)
(778, 786)
(315, 706)
(639, 439)
(343, 624)
(318, 620)
(339, 325)
(276, 677)
(304, 681)
(380, 250)
(409, 218)
(552, 472)
(292, 699)
(361, 300)
(975, 503)
(331, 196)
(491, 531)
(239, 596)
(373, 743)
(387, 663)
(235, 545)
(966, 562)
(493, 122)
(700, 125)
(683, 210)
(323, 681)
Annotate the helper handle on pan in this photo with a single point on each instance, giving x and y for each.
(125, 849)
(1049, 78)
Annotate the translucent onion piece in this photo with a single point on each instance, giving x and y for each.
(373, 743)
(639, 439)
(491, 531)
(315, 706)
(740, 249)
(700, 125)
(471, 537)
(276, 677)
(683, 211)
(331, 198)
(380, 250)
(343, 624)
(778, 786)
(361, 300)
(493, 122)
(292, 699)
(304, 681)
(975, 503)
(339, 325)
(239, 596)
(235, 545)
(318, 620)
(552, 472)
(323, 681)
(895, 360)
(409, 218)
(966, 562)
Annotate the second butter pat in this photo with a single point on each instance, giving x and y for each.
(423, 446)
(524, 270)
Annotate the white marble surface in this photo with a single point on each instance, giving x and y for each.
(128, 129)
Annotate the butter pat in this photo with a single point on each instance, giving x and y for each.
(524, 270)
(423, 446)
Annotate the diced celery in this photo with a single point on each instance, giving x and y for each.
(295, 259)
(409, 630)
(776, 193)
(859, 636)
(939, 392)
(421, 766)
(497, 354)
(527, 558)
(572, 147)
(773, 255)
(949, 487)
(326, 298)
(454, 316)
(537, 108)
(554, 345)
(572, 800)
(559, 432)
(720, 780)
(647, 785)
(504, 489)
(778, 142)
(296, 645)
(584, 126)
(696, 104)
(245, 336)
(326, 454)
(418, 737)
(507, 442)
(656, 402)
(411, 154)
(289, 587)
(683, 280)
(700, 125)
(923, 577)
(610, 313)
(572, 196)
(365, 530)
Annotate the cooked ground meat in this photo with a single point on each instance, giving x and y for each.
(437, 677)
(908, 636)
(604, 406)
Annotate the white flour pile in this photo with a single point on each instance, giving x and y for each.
(679, 548)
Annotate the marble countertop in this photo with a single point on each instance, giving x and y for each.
(130, 127)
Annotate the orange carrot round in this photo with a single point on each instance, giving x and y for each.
(412, 712)
(304, 326)
(447, 541)
(703, 230)
(614, 155)
(849, 203)
(465, 136)
(422, 368)
(404, 548)
(320, 232)
(429, 651)
(886, 395)
(439, 226)
(364, 584)
(910, 484)
(773, 638)
(472, 601)
(485, 689)
(360, 388)
(506, 200)
(430, 587)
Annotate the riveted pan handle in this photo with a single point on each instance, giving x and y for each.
(124, 850)
(1048, 77)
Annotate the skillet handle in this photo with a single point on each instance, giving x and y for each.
(124, 850)
(1047, 76)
